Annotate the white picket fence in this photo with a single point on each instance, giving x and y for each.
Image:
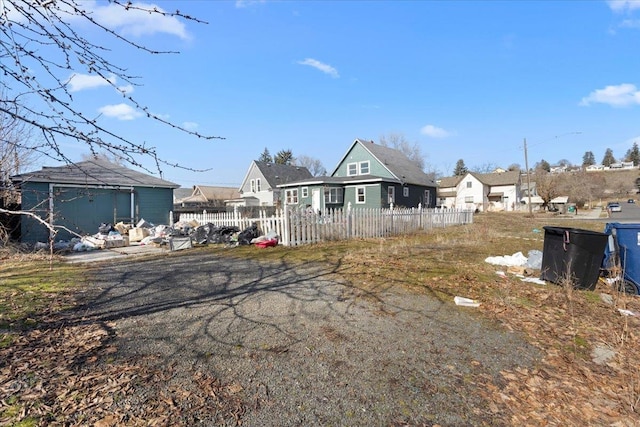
(301, 226)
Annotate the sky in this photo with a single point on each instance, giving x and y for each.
(468, 80)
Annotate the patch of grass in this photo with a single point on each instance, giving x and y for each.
(27, 288)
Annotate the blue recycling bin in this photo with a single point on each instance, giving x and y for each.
(572, 254)
(623, 251)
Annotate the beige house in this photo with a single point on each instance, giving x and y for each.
(496, 191)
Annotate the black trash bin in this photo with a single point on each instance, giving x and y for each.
(572, 253)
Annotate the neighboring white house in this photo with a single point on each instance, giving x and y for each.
(486, 192)
(594, 168)
(260, 184)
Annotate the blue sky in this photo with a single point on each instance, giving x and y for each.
(463, 80)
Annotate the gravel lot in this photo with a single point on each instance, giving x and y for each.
(299, 346)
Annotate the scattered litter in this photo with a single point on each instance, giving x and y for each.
(606, 298)
(517, 259)
(602, 355)
(534, 259)
(537, 230)
(533, 280)
(626, 312)
(501, 274)
(467, 302)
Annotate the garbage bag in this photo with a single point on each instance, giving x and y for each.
(105, 228)
(248, 234)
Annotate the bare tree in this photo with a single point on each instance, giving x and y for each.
(485, 168)
(400, 143)
(18, 146)
(546, 185)
(41, 50)
(313, 165)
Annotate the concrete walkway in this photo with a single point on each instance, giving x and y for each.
(98, 255)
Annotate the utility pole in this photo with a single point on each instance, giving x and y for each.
(526, 165)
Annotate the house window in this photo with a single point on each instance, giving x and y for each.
(468, 199)
(291, 196)
(427, 198)
(405, 191)
(352, 169)
(253, 185)
(305, 191)
(364, 167)
(469, 184)
(258, 185)
(360, 195)
(391, 195)
(333, 195)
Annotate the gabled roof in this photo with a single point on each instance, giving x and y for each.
(491, 179)
(181, 193)
(94, 172)
(205, 193)
(276, 173)
(399, 165)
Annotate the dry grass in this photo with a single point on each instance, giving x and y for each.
(567, 325)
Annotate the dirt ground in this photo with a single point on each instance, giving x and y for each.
(199, 340)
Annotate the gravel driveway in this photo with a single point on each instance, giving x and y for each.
(298, 346)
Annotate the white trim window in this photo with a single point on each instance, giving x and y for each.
(468, 199)
(364, 167)
(469, 184)
(391, 194)
(253, 185)
(305, 191)
(427, 198)
(361, 195)
(405, 191)
(291, 196)
(333, 195)
(352, 169)
(258, 185)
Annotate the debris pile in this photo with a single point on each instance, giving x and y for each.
(181, 235)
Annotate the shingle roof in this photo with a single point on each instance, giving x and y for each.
(276, 173)
(94, 172)
(397, 163)
(494, 178)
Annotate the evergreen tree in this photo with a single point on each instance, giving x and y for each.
(460, 169)
(284, 157)
(588, 159)
(608, 158)
(543, 165)
(265, 156)
(633, 155)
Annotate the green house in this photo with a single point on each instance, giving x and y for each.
(368, 175)
(78, 197)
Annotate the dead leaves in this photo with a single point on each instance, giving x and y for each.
(70, 375)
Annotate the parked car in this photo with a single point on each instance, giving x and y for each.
(614, 207)
(631, 201)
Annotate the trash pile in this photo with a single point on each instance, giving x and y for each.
(181, 235)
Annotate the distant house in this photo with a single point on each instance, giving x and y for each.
(80, 196)
(260, 186)
(499, 191)
(368, 175)
(594, 168)
(205, 197)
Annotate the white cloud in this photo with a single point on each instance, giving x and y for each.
(190, 125)
(623, 5)
(126, 89)
(240, 4)
(78, 82)
(138, 22)
(630, 23)
(622, 95)
(434, 132)
(120, 111)
(325, 68)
